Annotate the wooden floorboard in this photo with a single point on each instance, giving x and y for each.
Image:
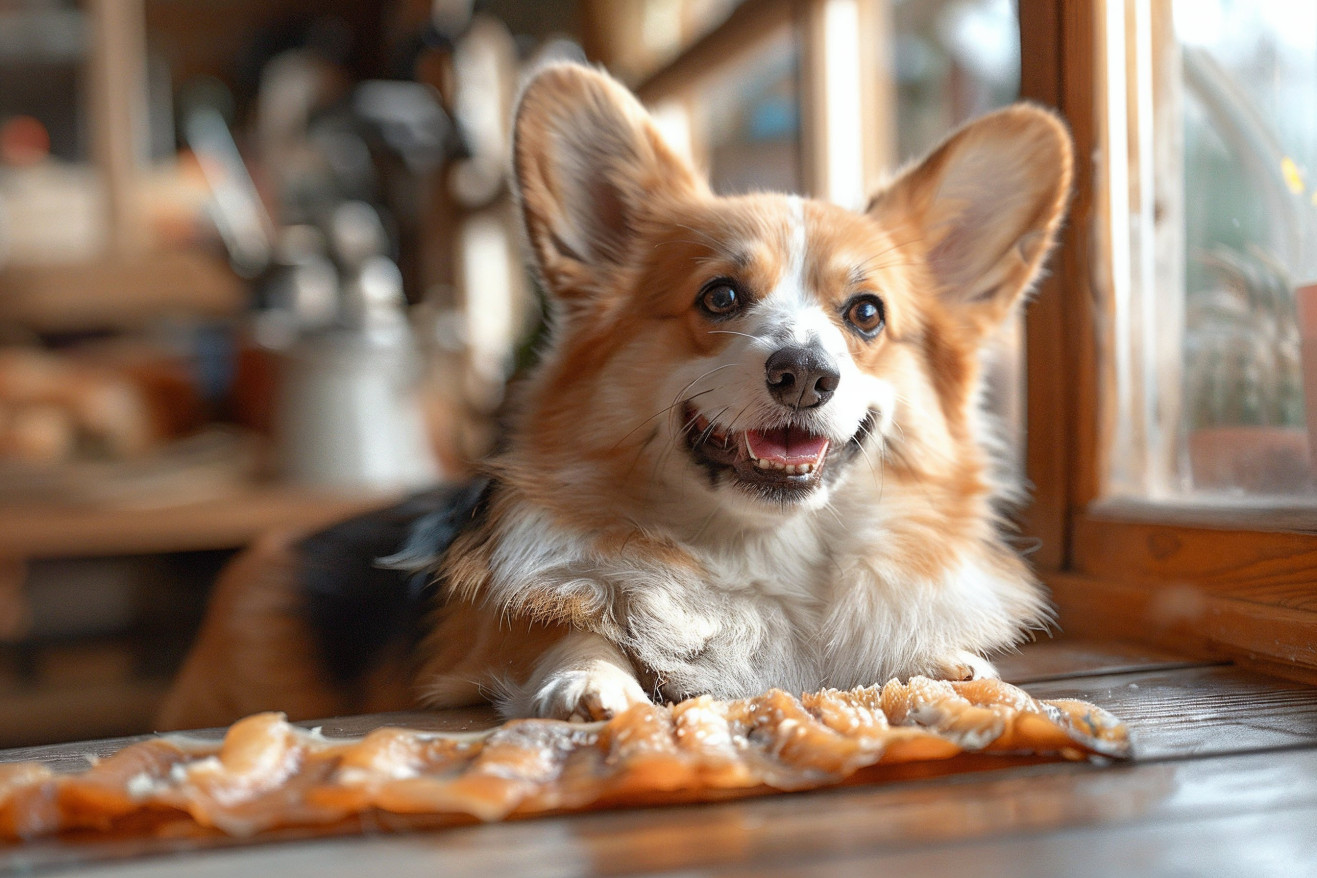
(1199, 711)
(1066, 658)
(1254, 845)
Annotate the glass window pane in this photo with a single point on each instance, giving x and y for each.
(954, 59)
(746, 121)
(1212, 136)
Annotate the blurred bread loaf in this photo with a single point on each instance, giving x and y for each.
(102, 405)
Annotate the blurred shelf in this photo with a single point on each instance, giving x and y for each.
(118, 293)
(42, 530)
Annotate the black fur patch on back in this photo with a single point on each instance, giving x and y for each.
(364, 581)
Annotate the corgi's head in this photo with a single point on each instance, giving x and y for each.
(750, 355)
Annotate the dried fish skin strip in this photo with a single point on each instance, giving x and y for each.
(269, 774)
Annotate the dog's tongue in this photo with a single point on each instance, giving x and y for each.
(788, 445)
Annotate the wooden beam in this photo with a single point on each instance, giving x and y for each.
(1046, 399)
(847, 98)
(878, 98)
(742, 32)
(116, 92)
(1060, 68)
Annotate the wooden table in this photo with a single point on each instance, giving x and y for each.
(1224, 783)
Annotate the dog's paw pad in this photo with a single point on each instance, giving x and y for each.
(581, 695)
(963, 665)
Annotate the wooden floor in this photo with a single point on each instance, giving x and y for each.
(1224, 783)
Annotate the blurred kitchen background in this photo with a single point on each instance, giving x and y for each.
(259, 268)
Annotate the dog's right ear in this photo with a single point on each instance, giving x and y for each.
(587, 159)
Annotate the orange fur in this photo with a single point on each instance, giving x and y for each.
(255, 652)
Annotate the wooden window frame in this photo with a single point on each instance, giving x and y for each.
(1213, 583)
(1210, 583)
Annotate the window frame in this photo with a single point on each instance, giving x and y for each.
(1229, 584)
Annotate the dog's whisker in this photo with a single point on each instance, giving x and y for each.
(877, 471)
(706, 239)
(679, 399)
(661, 412)
(873, 263)
(662, 459)
(836, 516)
(704, 525)
(640, 452)
(731, 428)
(680, 395)
(691, 422)
(865, 454)
(672, 241)
(713, 426)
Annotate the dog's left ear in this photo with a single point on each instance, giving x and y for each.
(588, 160)
(987, 205)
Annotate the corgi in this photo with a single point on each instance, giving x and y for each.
(751, 455)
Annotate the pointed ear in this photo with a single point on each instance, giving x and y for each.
(987, 204)
(587, 159)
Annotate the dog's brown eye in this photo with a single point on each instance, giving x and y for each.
(720, 299)
(866, 315)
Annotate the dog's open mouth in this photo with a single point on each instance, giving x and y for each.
(787, 457)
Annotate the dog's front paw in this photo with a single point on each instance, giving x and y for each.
(598, 691)
(965, 665)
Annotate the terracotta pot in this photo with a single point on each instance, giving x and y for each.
(1254, 460)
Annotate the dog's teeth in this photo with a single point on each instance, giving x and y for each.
(749, 450)
(791, 469)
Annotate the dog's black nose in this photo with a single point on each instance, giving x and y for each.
(801, 377)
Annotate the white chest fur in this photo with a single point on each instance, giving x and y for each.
(803, 606)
